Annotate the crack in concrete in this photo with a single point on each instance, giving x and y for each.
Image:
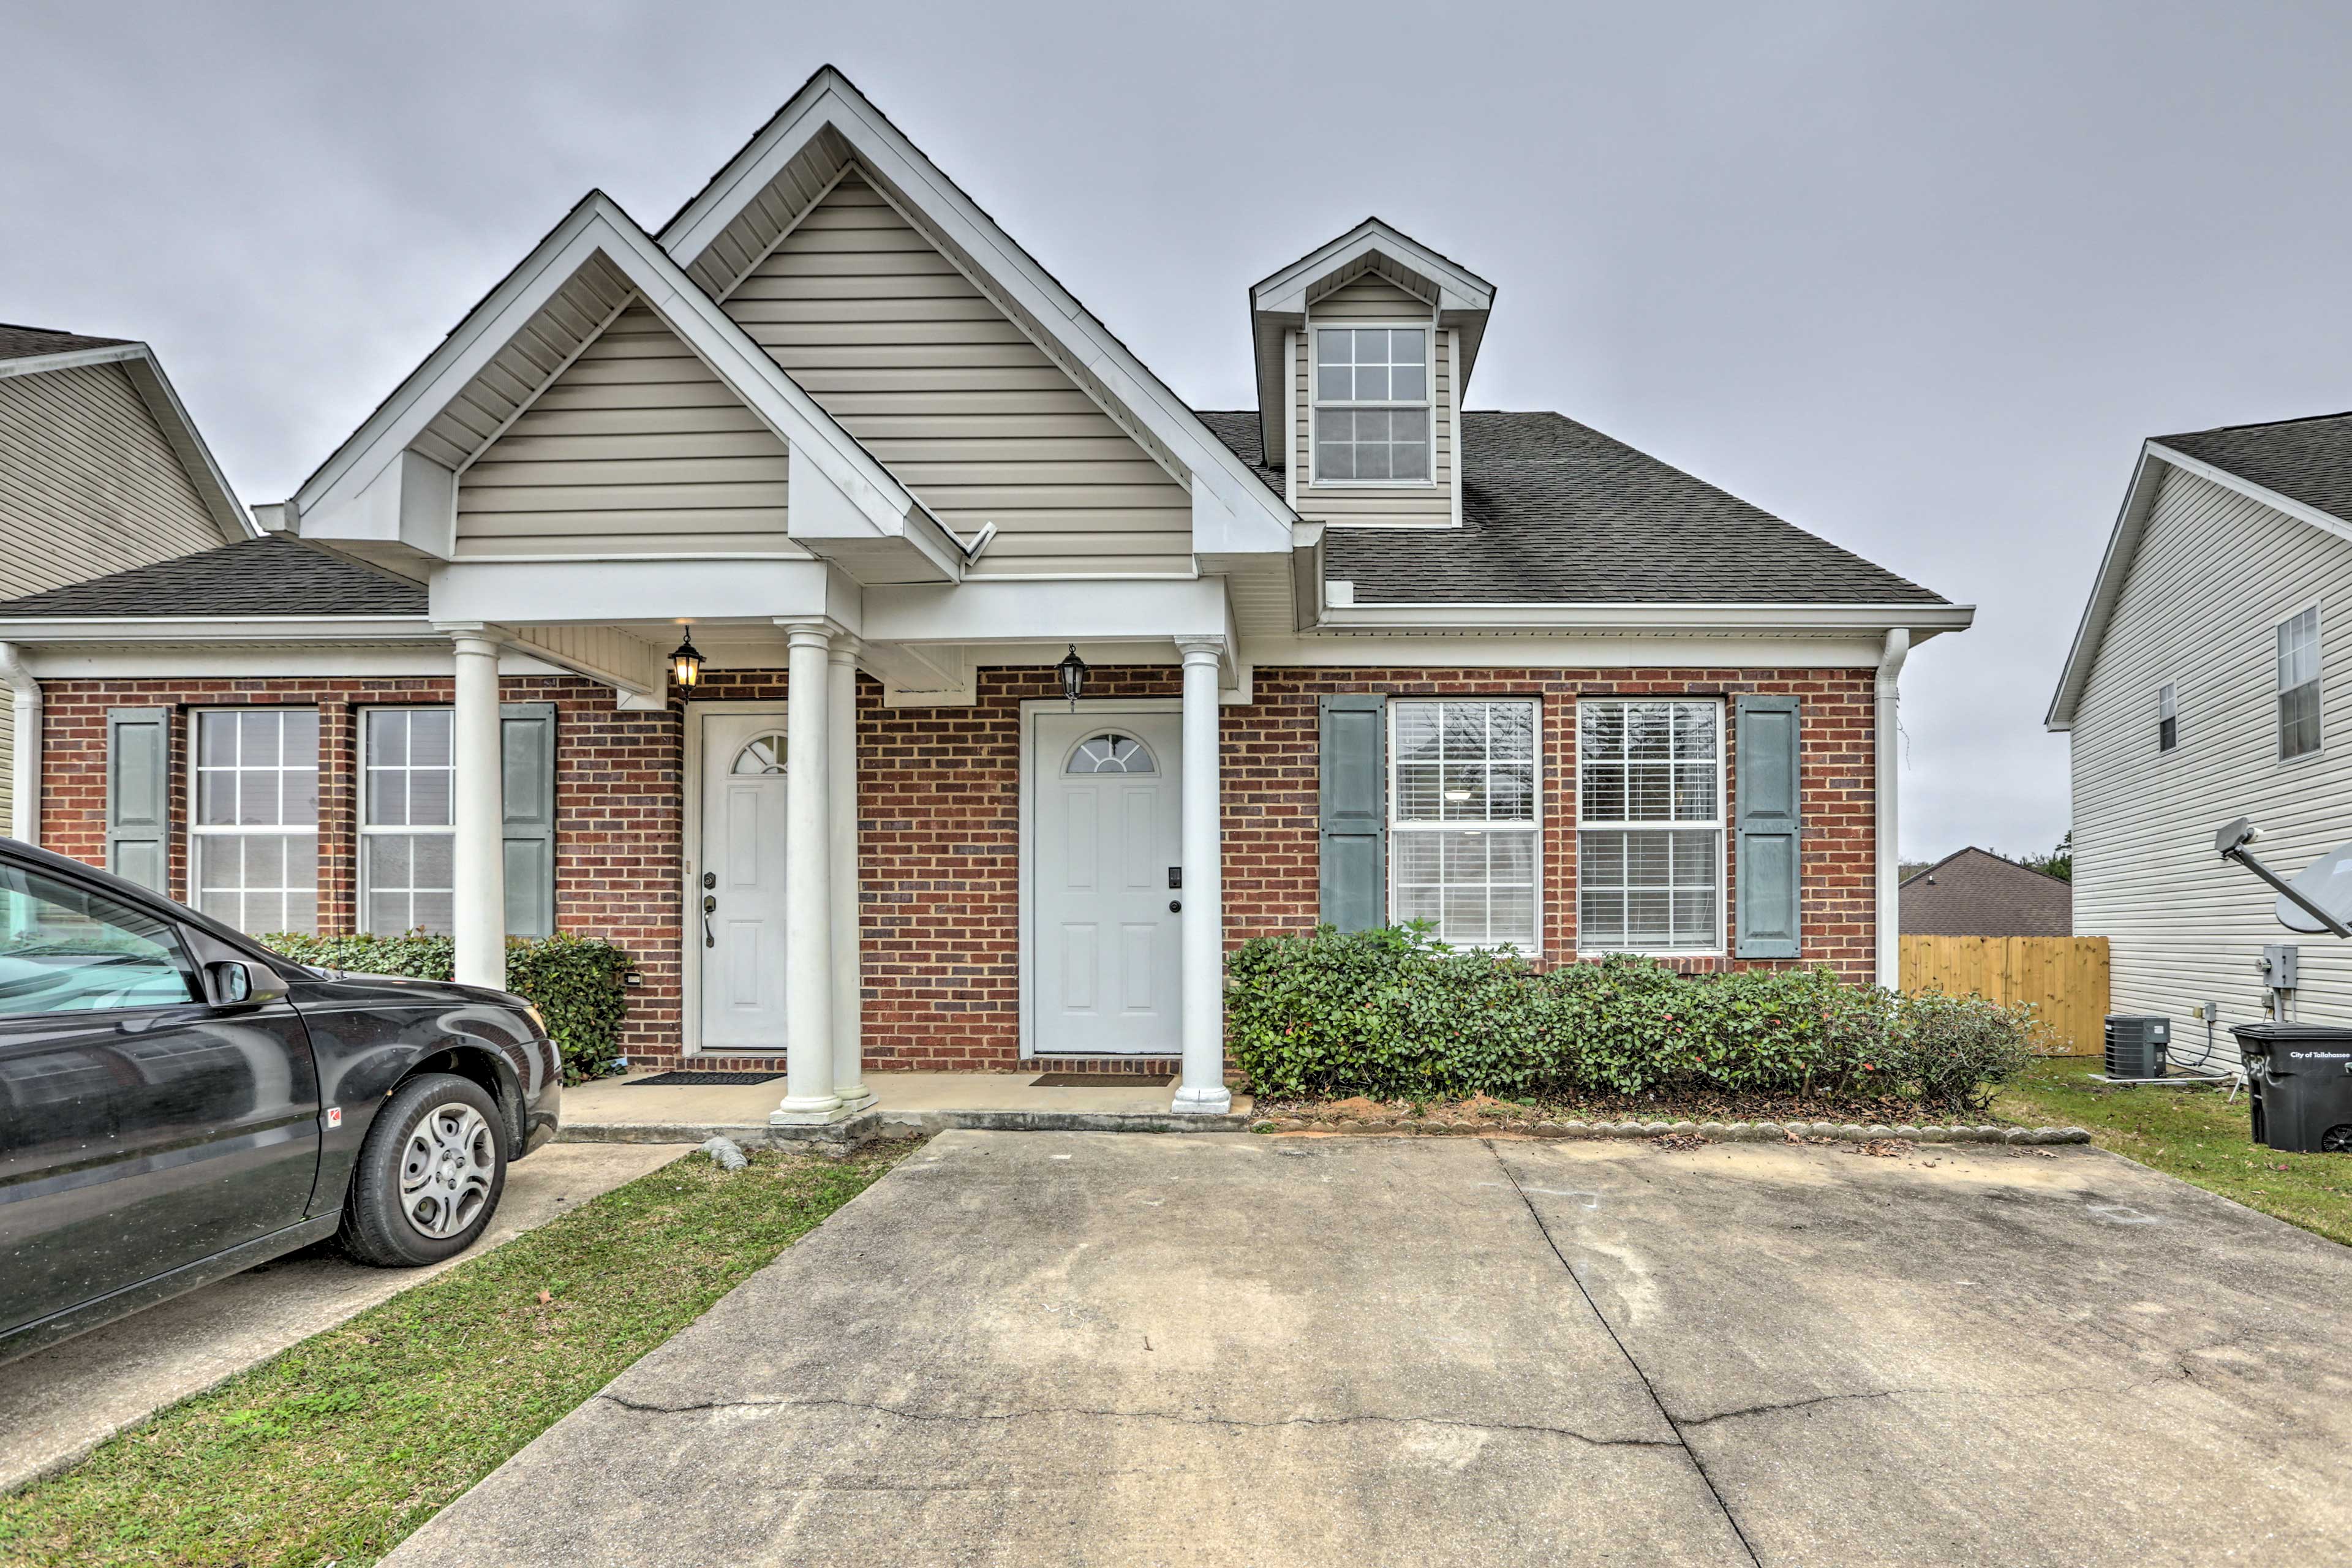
(1171, 1418)
(1697, 1463)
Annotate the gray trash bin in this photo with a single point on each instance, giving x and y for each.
(2300, 1078)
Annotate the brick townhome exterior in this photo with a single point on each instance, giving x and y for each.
(878, 479)
(938, 823)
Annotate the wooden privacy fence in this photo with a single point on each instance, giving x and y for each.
(2065, 977)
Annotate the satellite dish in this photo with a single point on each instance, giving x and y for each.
(2327, 882)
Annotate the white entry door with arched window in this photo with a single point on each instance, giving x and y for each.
(738, 896)
(1105, 949)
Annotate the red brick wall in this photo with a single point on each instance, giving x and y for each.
(616, 795)
(939, 813)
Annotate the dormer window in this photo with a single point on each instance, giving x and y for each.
(1372, 405)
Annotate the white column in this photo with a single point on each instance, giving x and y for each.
(479, 911)
(25, 783)
(1203, 1088)
(808, 902)
(841, 787)
(1886, 785)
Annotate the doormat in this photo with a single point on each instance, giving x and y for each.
(685, 1080)
(1100, 1080)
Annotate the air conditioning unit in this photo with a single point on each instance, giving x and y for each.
(2137, 1043)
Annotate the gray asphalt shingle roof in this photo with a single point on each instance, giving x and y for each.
(1555, 511)
(25, 342)
(2309, 460)
(272, 576)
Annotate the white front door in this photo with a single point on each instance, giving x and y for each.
(739, 893)
(1104, 925)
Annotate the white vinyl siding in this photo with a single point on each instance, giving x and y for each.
(89, 485)
(1373, 299)
(635, 449)
(1465, 820)
(953, 398)
(2183, 926)
(253, 830)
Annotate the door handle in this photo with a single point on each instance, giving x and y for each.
(1175, 906)
(709, 903)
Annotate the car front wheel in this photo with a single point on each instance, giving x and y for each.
(429, 1175)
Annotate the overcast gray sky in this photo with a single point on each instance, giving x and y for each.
(1917, 278)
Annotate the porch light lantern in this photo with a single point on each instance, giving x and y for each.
(1074, 676)
(686, 664)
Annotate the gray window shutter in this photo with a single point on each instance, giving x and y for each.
(137, 795)
(1770, 824)
(1355, 819)
(527, 747)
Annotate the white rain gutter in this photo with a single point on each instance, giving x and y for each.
(1885, 750)
(25, 802)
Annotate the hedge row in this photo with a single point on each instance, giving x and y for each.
(1394, 1016)
(576, 983)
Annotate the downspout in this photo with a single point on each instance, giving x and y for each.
(25, 800)
(1887, 784)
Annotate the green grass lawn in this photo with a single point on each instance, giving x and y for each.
(336, 1449)
(2191, 1133)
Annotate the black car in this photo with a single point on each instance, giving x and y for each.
(178, 1103)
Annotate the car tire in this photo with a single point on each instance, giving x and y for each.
(429, 1175)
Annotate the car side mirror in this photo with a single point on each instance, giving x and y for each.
(234, 983)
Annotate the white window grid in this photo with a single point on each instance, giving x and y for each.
(407, 820)
(1683, 851)
(1474, 805)
(253, 817)
(2299, 708)
(1377, 380)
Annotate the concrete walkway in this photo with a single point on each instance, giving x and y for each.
(1080, 1349)
(627, 1109)
(59, 1403)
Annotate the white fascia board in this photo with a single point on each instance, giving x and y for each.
(1047, 610)
(598, 226)
(1565, 650)
(308, 661)
(1458, 288)
(608, 593)
(41, 630)
(1261, 519)
(154, 389)
(1922, 620)
(2123, 542)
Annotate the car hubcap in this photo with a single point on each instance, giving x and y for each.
(444, 1172)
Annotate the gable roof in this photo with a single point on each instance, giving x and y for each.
(1556, 512)
(784, 168)
(2300, 466)
(38, 351)
(523, 334)
(20, 343)
(273, 576)
(1975, 892)
(1279, 303)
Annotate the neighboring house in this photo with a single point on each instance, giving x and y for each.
(100, 468)
(1975, 892)
(1022, 688)
(2207, 682)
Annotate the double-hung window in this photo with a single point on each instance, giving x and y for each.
(253, 841)
(2298, 685)
(406, 826)
(1372, 409)
(1650, 813)
(2167, 717)
(1463, 819)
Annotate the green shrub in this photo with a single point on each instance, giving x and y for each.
(578, 983)
(1394, 1016)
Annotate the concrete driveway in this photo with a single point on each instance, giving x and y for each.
(1025, 1349)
